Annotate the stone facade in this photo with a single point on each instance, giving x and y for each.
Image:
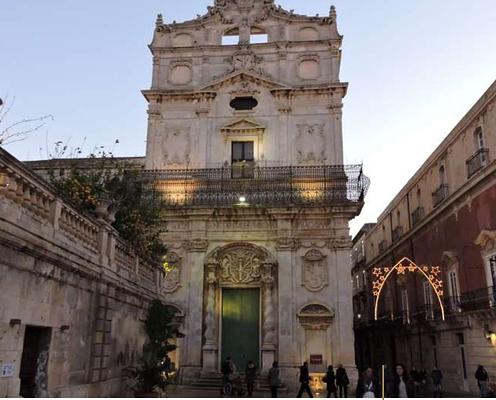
(72, 295)
(284, 98)
(444, 216)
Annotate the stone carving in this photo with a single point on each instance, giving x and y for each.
(240, 225)
(315, 316)
(314, 273)
(486, 240)
(339, 243)
(268, 321)
(246, 60)
(176, 145)
(210, 326)
(173, 278)
(41, 377)
(287, 243)
(314, 224)
(310, 142)
(197, 245)
(177, 225)
(239, 263)
(240, 266)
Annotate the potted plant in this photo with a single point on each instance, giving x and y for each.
(151, 377)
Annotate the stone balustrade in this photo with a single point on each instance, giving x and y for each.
(36, 202)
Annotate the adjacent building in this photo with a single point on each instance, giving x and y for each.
(444, 216)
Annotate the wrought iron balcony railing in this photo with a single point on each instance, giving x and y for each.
(397, 233)
(480, 299)
(477, 161)
(260, 186)
(440, 194)
(417, 215)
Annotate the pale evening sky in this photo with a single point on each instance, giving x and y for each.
(414, 68)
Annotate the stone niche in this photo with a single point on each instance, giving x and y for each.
(180, 73)
(316, 319)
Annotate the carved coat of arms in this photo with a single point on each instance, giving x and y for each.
(314, 273)
(240, 266)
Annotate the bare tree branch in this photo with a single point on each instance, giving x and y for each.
(20, 130)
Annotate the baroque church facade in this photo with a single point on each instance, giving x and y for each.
(244, 144)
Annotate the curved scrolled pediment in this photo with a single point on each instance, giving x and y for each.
(315, 316)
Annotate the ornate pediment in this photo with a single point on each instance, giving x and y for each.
(242, 127)
(243, 76)
(249, 12)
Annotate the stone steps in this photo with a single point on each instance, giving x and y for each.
(214, 383)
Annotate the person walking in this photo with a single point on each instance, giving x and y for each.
(482, 380)
(330, 380)
(437, 382)
(274, 379)
(342, 381)
(402, 385)
(250, 376)
(304, 381)
(368, 385)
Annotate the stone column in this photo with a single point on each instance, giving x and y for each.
(211, 346)
(268, 327)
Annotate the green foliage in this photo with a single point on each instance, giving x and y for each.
(160, 329)
(133, 209)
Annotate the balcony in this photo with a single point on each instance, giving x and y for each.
(477, 161)
(439, 195)
(417, 215)
(478, 300)
(260, 186)
(383, 246)
(397, 233)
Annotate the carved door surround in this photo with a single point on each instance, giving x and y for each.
(239, 265)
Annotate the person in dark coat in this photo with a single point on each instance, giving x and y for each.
(342, 381)
(250, 376)
(330, 380)
(274, 379)
(304, 381)
(401, 385)
(482, 380)
(437, 382)
(368, 385)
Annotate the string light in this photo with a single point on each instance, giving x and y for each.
(431, 273)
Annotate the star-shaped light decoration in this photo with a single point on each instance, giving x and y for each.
(431, 273)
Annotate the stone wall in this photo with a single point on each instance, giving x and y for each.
(73, 276)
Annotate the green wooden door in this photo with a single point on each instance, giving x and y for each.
(240, 326)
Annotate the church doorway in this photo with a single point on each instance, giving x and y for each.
(241, 326)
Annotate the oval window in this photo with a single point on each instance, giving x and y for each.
(243, 103)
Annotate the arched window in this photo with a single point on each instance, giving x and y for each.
(442, 175)
(478, 139)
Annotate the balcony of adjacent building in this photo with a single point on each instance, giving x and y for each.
(477, 161)
(397, 233)
(383, 245)
(480, 300)
(440, 194)
(417, 215)
(247, 183)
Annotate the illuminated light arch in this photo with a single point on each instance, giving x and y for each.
(431, 273)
